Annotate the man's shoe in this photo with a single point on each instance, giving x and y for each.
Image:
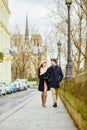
(55, 105)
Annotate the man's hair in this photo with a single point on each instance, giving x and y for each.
(54, 60)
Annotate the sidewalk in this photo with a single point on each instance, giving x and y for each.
(30, 115)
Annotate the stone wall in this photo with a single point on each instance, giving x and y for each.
(73, 93)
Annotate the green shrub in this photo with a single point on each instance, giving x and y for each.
(1, 56)
(33, 79)
(74, 91)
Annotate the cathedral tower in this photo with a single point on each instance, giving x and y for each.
(26, 32)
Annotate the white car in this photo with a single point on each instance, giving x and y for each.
(8, 87)
(2, 89)
(21, 84)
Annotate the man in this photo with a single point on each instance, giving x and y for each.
(55, 76)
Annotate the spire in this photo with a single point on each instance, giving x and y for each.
(26, 29)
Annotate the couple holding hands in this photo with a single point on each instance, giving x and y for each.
(49, 80)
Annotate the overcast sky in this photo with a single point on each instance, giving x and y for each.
(37, 13)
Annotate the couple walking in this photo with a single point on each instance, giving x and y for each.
(49, 80)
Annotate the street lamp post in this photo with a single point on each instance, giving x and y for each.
(59, 44)
(38, 54)
(69, 60)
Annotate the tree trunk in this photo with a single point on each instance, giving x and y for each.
(85, 61)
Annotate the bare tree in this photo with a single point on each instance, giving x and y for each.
(58, 18)
(22, 62)
(82, 5)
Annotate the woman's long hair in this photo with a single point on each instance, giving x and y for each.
(41, 65)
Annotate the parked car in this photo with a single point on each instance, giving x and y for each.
(8, 87)
(14, 87)
(17, 85)
(27, 83)
(2, 89)
(22, 84)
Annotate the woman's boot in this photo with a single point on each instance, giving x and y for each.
(44, 99)
(45, 94)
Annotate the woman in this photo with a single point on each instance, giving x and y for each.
(43, 83)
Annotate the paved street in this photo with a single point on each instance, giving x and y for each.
(30, 115)
(11, 100)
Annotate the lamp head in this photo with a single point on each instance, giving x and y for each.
(59, 45)
(68, 2)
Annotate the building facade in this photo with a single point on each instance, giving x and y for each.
(35, 52)
(5, 63)
(30, 51)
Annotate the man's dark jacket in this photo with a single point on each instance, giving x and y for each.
(55, 76)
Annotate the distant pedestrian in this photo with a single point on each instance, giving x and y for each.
(55, 75)
(43, 82)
